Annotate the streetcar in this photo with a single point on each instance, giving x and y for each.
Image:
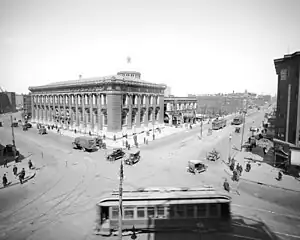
(161, 209)
(218, 123)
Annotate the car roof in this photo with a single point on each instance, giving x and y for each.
(195, 161)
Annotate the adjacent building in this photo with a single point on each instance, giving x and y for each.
(179, 110)
(121, 103)
(287, 125)
(27, 108)
(7, 102)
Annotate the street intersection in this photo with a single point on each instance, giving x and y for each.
(60, 202)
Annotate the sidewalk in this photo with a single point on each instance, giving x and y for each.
(264, 174)
(165, 131)
(12, 179)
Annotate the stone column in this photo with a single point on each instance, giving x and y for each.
(65, 113)
(77, 120)
(100, 118)
(70, 111)
(146, 121)
(83, 122)
(91, 123)
(129, 116)
(138, 114)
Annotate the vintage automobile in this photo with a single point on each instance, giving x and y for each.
(11, 151)
(132, 157)
(15, 124)
(214, 155)
(100, 142)
(28, 125)
(42, 130)
(25, 128)
(237, 129)
(116, 154)
(85, 143)
(196, 166)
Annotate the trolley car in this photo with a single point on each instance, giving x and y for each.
(218, 123)
(165, 209)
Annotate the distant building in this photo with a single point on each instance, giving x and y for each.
(7, 102)
(287, 125)
(19, 101)
(27, 105)
(168, 92)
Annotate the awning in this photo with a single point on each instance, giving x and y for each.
(283, 142)
(295, 157)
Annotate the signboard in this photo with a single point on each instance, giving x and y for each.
(283, 74)
(295, 157)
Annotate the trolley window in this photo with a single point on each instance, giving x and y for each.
(180, 211)
(150, 212)
(190, 211)
(128, 213)
(160, 211)
(140, 212)
(115, 213)
(201, 210)
(213, 210)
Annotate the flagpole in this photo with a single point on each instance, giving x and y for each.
(120, 200)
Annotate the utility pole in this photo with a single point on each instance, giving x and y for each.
(12, 131)
(243, 130)
(201, 126)
(120, 200)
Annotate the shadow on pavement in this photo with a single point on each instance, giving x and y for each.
(8, 154)
(242, 228)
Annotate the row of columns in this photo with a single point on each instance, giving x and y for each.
(181, 106)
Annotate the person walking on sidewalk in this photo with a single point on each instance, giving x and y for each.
(15, 170)
(30, 165)
(5, 163)
(4, 180)
(226, 185)
(22, 176)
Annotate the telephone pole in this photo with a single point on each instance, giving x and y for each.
(243, 130)
(120, 200)
(12, 131)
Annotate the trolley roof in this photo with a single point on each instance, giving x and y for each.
(157, 196)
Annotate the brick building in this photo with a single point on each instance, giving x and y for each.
(112, 104)
(178, 110)
(7, 102)
(287, 125)
(27, 108)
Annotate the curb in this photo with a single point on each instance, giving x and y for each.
(264, 184)
(17, 182)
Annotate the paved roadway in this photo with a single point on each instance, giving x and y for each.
(60, 204)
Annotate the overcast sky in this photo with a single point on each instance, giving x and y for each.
(193, 46)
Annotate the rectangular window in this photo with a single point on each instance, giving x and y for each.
(213, 210)
(160, 211)
(128, 213)
(150, 212)
(115, 213)
(141, 212)
(180, 211)
(201, 210)
(190, 211)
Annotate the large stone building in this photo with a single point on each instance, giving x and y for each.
(112, 104)
(180, 110)
(27, 105)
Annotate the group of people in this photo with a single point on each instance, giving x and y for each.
(21, 174)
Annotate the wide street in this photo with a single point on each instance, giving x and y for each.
(60, 202)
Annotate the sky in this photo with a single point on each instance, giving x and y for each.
(195, 47)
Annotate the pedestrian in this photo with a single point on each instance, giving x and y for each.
(4, 180)
(22, 176)
(248, 167)
(90, 133)
(30, 165)
(241, 170)
(226, 186)
(15, 170)
(5, 163)
(265, 151)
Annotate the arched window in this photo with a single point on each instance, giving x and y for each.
(156, 114)
(149, 114)
(133, 117)
(124, 118)
(142, 116)
(105, 118)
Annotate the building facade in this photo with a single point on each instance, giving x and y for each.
(180, 110)
(7, 102)
(27, 108)
(288, 101)
(287, 124)
(113, 104)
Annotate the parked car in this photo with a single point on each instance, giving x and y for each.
(28, 125)
(196, 166)
(85, 143)
(42, 130)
